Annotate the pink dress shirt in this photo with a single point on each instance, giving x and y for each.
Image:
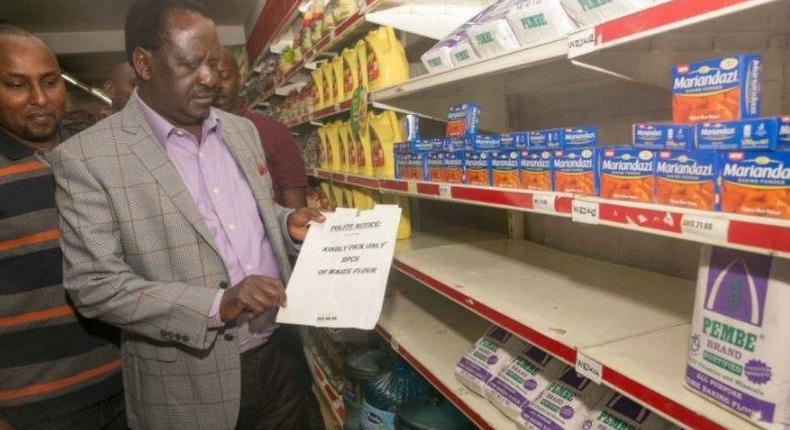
(223, 197)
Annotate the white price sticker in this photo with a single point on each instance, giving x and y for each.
(581, 42)
(411, 187)
(585, 212)
(589, 368)
(543, 202)
(445, 191)
(705, 227)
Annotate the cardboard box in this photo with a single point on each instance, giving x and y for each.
(478, 167)
(626, 173)
(536, 170)
(576, 171)
(504, 168)
(741, 135)
(756, 183)
(688, 179)
(662, 136)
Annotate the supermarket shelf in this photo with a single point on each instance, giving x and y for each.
(644, 45)
(756, 234)
(630, 321)
(431, 334)
(332, 397)
(322, 114)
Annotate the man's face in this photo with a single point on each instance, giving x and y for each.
(32, 92)
(228, 82)
(182, 73)
(121, 85)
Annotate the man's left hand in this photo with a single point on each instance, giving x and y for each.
(299, 222)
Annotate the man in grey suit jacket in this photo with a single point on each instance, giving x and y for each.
(170, 232)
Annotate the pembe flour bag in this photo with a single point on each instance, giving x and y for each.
(739, 339)
(564, 404)
(523, 380)
(617, 412)
(487, 357)
(591, 12)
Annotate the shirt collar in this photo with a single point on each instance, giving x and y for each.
(163, 128)
(11, 149)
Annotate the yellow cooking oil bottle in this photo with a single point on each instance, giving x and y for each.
(337, 74)
(326, 190)
(365, 153)
(323, 149)
(318, 88)
(385, 131)
(365, 199)
(333, 139)
(329, 84)
(350, 73)
(339, 196)
(348, 195)
(404, 227)
(386, 59)
(353, 150)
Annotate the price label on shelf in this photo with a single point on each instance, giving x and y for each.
(585, 212)
(581, 42)
(445, 191)
(411, 187)
(705, 227)
(589, 368)
(543, 202)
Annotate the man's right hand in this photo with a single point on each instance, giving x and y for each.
(254, 295)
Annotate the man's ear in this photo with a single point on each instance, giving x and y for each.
(141, 61)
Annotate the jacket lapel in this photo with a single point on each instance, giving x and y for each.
(149, 151)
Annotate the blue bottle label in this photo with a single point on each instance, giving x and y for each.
(376, 419)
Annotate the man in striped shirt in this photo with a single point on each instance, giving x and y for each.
(57, 370)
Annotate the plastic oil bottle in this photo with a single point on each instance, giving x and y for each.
(343, 130)
(361, 49)
(365, 154)
(323, 149)
(385, 131)
(386, 59)
(386, 392)
(350, 72)
(339, 196)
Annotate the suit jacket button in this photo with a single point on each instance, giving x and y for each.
(163, 333)
(223, 285)
(228, 337)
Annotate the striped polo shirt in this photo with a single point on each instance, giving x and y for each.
(52, 362)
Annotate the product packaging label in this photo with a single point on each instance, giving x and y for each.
(487, 357)
(523, 380)
(484, 142)
(617, 412)
(739, 343)
(436, 166)
(565, 404)
(718, 89)
(756, 183)
(745, 135)
(463, 120)
(536, 170)
(576, 171)
(478, 168)
(675, 137)
(504, 169)
(784, 134)
(626, 173)
(688, 179)
(376, 419)
(454, 167)
(579, 137)
(514, 140)
(544, 139)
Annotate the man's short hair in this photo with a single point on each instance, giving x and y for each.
(12, 30)
(146, 22)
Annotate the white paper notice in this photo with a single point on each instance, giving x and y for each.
(341, 275)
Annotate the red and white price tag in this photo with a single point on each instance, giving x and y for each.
(543, 202)
(581, 42)
(411, 187)
(705, 227)
(585, 212)
(589, 368)
(445, 191)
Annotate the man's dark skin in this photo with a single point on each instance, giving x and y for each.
(179, 81)
(32, 92)
(228, 100)
(120, 85)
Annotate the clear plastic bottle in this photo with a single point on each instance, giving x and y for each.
(386, 392)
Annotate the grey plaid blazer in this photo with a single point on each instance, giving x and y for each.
(137, 254)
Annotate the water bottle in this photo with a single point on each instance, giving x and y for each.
(386, 392)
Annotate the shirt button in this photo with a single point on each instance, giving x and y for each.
(215, 190)
(200, 154)
(232, 226)
(179, 133)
